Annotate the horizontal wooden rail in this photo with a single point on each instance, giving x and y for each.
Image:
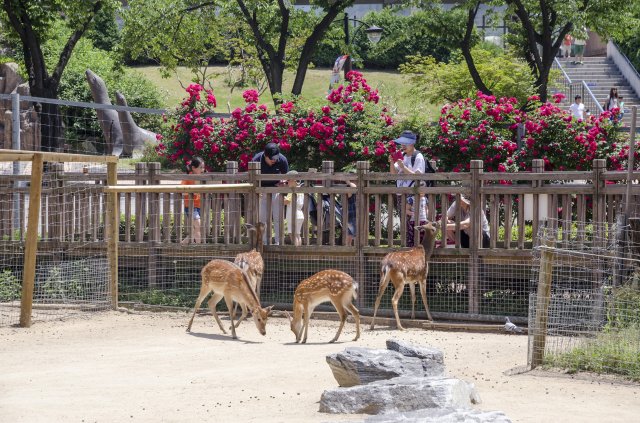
(27, 156)
(224, 188)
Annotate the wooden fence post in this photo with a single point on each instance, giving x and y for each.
(153, 169)
(362, 226)
(476, 167)
(232, 208)
(31, 242)
(253, 214)
(141, 170)
(599, 201)
(537, 166)
(113, 232)
(328, 169)
(543, 299)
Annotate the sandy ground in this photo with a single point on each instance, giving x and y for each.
(116, 367)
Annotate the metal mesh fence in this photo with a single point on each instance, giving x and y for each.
(71, 269)
(585, 315)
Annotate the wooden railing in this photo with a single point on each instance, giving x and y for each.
(73, 205)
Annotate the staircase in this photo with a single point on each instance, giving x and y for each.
(601, 74)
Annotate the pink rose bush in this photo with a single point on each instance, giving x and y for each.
(352, 126)
(486, 128)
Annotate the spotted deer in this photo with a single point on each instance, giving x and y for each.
(251, 262)
(407, 267)
(327, 285)
(226, 280)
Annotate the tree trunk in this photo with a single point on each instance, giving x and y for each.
(465, 47)
(50, 118)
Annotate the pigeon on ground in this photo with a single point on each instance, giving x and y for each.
(510, 327)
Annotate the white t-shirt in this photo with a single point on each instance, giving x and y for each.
(451, 213)
(577, 110)
(418, 167)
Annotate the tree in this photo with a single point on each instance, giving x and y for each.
(31, 20)
(544, 23)
(277, 32)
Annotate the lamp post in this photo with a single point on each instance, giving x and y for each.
(374, 33)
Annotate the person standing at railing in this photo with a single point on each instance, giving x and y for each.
(294, 203)
(194, 167)
(413, 163)
(577, 108)
(272, 162)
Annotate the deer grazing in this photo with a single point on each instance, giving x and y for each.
(251, 262)
(327, 285)
(407, 267)
(226, 280)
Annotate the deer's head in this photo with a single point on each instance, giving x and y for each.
(260, 316)
(429, 240)
(296, 326)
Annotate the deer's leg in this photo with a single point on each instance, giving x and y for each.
(423, 293)
(394, 301)
(229, 303)
(356, 315)
(307, 315)
(412, 290)
(384, 282)
(343, 318)
(204, 291)
(243, 315)
(213, 302)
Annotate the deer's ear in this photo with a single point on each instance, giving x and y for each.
(268, 310)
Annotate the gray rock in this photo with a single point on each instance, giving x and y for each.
(399, 394)
(441, 415)
(410, 350)
(358, 366)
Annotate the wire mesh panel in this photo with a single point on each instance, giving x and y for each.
(585, 315)
(71, 267)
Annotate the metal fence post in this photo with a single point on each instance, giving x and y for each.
(17, 166)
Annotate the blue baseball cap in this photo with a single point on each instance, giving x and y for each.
(406, 138)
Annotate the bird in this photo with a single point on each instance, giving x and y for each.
(510, 327)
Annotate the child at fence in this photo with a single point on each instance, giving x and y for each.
(465, 223)
(194, 167)
(351, 215)
(413, 163)
(294, 202)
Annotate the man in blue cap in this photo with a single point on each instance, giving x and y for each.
(272, 162)
(412, 163)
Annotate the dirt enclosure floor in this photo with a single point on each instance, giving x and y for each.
(119, 367)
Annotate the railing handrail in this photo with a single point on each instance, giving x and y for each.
(624, 56)
(564, 74)
(593, 97)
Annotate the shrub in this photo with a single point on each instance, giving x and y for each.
(351, 126)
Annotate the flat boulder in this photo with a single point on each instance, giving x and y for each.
(400, 394)
(359, 366)
(441, 415)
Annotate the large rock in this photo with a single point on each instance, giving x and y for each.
(359, 366)
(400, 394)
(441, 415)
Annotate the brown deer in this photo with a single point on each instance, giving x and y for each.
(327, 285)
(407, 267)
(226, 280)
(251, 263)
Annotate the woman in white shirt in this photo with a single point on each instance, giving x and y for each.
(294, 204)
(412, 163)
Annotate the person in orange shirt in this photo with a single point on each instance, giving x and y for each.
(194, 167)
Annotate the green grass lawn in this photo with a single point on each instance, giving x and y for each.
(392, 86)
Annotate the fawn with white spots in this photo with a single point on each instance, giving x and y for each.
(226, 280)
(251, 263)
(407, 267)
(327, 285)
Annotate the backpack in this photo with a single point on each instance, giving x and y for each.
(427, 169)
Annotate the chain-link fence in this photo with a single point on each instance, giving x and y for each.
(585, 315)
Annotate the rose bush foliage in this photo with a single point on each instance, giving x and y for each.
(351, 126)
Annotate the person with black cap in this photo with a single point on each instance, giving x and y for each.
(412, 163)
(272, 162)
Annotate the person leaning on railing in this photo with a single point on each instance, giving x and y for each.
(465, 223)
(272, 162)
